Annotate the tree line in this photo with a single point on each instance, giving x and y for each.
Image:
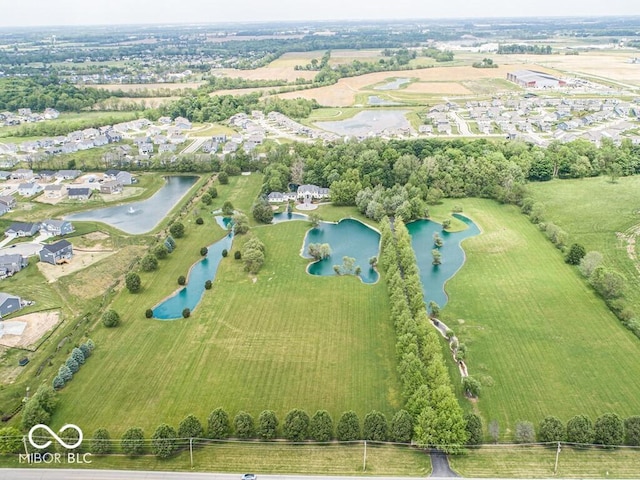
(426, 386)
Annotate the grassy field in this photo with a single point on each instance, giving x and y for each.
(536, 462)
(539, 339)
(283, 340)
(334, 459)
(593, 211)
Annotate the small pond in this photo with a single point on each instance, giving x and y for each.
(369, 121)
(347, 238)
(287, 217)
(376, 100)
(190, 295)
(141, 217)
(393, 85)
(434, 277)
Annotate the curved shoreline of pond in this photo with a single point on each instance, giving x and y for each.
(212, 254)
(104, 214)
(310, 264)
(428, 272)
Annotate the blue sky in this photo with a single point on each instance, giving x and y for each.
(101, 12)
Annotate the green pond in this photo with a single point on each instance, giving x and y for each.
(434, 277)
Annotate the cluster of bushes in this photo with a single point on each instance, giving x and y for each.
(71, 366)
(426, 386)
(606, 281)
(252, 255)
(210, 194)
(609, 429)
(39, 408)
(262, 211)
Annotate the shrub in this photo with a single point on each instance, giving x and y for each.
(243, 425)
(580, 430)
(401, 427)
(262, 212)
(72, 364)
(206, 199)
(375, 426)
(163, 441)
(471, 386)
(208, 285)
(576, 254)
(213, 192)
(132, 442)
(225, 252)
(148, 313)
(190, 427)
(160, 251)
(78, 356)
(10, 440)
(267, 425)
(177, 230)
(182, 280)
(321, 427)
(237, 255)
(240, 223)
(227, 209)
(86, 351)
(223, 178)
(632, 431)
(590, 262)
(65, 373)
(474, 428)
(132, 282)
(551, 429)
(204, 251)
(218, 425)
(524, 432)
(608, 429)
(199, 221)
(110, 319)
(186, 313)
(101, 442)
(296, 425)
(149, 263)
(58, 382)
(348, 427)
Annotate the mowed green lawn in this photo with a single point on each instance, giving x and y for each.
(283, 341)
(539, 339)
(592, 211)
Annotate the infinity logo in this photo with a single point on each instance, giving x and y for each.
(53, 434)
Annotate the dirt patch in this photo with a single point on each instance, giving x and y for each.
(446, 88)
(127, 192)
(36, 325)
(91, 282)
(81, 259)
(96, 236)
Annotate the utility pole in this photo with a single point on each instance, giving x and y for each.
(555, 469)
(364, 465)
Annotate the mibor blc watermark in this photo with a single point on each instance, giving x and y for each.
(49, 458)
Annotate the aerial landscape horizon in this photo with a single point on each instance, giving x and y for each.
(237, 241)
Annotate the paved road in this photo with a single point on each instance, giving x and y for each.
(26, 249)
(79, 474)
(440, 466)
(463, 127)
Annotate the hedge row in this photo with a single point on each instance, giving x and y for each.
(426, 385)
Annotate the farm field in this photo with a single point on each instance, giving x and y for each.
(283, 341)
(539, 339)
(436, 80)
(602, 216)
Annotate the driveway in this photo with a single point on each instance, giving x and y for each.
(440, 466)
(25, 249)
